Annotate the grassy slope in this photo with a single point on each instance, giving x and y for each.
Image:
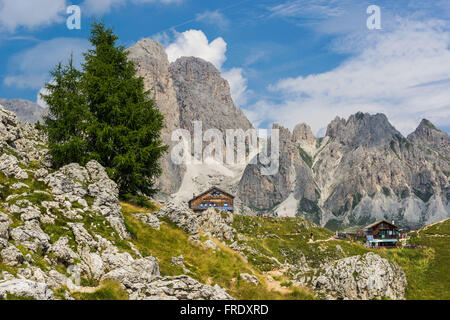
(221, 267)
(427, 270)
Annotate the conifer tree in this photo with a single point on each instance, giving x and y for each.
(68, 117)
(122, 126)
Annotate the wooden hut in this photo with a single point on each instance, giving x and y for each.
(213, 198)
(382, 234)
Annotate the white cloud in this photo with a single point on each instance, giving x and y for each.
(41, 101)
(214, 18)
(238, 84)
(30, 68)
(404, 74)
(306, 8)
(97, 7)
(194, 43)
(30, 14)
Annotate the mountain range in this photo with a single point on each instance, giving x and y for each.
(361, 171)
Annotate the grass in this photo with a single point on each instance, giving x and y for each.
(427, 270)
(306, 157)
(222, 267)
(109, 290)
(278, 238)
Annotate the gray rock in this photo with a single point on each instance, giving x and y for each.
(178, 261)
(293, 177)
(210, 244)
(361, 278)
(149, 219)
(181, 215)
(136, 274)
(25, 110)
(5, 222)
(249, 278)
(31, 236)
(153, 65)
(203, 95)
(363, 170)
(63, 252)
(11, 256)
(182, 288)
(9, 165)
(25, 289)
(70, 183)
(218, 223)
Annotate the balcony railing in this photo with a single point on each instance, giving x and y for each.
(219, 208)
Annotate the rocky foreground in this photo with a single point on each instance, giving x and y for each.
(63, 232)
(62, 227)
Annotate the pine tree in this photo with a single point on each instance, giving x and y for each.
(122, 126)
(68, 116)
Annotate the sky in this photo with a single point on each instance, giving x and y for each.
(287, 62)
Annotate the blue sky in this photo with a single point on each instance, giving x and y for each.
(286, 61)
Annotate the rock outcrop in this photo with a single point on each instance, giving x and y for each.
(25, 289)
(62, 228)
(180, 288)
(218, 223)
(365, 277)
(181, 215)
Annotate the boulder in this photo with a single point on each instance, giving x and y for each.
(218, 223)
(149, 219)
(136, 274)
(183, 288)
(5, 222)
(365, 277)
(11, 256)
(249, 278)
(63, 252)
(25, 289)
(181, 215)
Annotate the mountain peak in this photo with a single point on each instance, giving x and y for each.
(428, 134)
(362, 129)
(303, 132)
(26, 111)
(427, 124)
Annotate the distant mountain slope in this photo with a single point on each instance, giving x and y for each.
(25, 110)
(187, 90)
(362, 171)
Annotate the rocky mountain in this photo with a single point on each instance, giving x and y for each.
(63, 230)
(361, 171)
(187, 90)
(153, 65)
(203, 95)
(25, 110)
(294, 178)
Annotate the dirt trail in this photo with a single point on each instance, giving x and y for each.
(275, 285)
